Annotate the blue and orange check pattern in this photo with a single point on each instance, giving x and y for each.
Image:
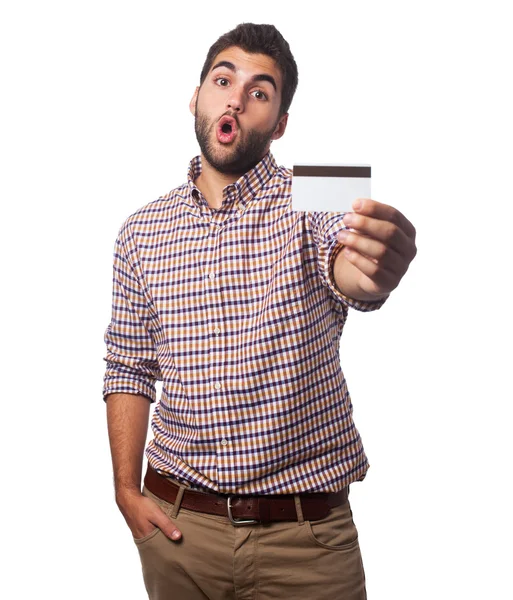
(236, 311)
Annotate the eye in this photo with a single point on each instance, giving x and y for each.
(220, 79)
(263, 94)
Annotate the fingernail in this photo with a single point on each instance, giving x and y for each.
(342, 236)
(175, 535)
(357, 204)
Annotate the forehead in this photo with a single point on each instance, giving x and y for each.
(250, 64)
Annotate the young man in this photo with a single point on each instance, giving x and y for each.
(237, 304)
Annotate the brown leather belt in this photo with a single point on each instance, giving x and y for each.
(246, 509)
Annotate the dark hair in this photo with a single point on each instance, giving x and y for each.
(259, 39)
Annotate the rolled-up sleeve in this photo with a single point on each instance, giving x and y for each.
(325, 226)
(132, 364)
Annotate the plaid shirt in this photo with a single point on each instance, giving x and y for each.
(236, 311)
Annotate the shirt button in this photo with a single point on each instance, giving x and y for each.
(217, 386)
(217, 330)
(211, 275)
(224, 442)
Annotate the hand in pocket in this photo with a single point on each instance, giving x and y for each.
(143, 516)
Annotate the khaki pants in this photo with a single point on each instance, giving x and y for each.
(215, 560)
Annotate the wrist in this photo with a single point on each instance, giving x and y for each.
(125, 494)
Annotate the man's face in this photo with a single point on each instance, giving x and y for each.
(252, 103)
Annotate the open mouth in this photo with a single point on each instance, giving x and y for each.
(227, 129)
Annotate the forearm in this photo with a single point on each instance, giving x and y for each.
(127, 421)
(346, 276)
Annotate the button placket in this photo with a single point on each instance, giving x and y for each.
(217, 342)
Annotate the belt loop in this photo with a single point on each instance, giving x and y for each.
(178, 501)
(299, 510)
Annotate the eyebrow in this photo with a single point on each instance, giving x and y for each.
(259, 77)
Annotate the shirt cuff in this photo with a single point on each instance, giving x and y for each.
(117, 383)
(362, 305)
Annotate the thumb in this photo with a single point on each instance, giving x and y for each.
(169, 528)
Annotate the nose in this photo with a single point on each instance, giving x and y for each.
(235, 101)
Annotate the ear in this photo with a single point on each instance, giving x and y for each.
(280, 127)
(192, 103)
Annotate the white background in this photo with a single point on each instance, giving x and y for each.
(95, 124)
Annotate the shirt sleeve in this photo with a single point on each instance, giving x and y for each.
(325, 226)
(132, 364)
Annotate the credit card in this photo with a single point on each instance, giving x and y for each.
(329, 187)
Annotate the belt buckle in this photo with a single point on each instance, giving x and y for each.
(238, 521)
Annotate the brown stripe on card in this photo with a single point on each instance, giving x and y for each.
(330, 171)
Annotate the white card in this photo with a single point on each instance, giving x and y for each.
(329, 187)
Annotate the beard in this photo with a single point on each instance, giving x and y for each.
(244, 153)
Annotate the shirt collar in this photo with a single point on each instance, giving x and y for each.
(244, 189)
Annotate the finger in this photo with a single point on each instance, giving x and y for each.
(361, 251)
(384, 212)
(363, 235)
(384, 231)
(167, 526)
(380, 254)
(164, 523)
(380, 280)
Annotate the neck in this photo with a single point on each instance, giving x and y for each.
(211, 183)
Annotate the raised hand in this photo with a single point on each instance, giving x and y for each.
(380, 245)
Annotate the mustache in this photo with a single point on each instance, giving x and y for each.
(232, 115)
